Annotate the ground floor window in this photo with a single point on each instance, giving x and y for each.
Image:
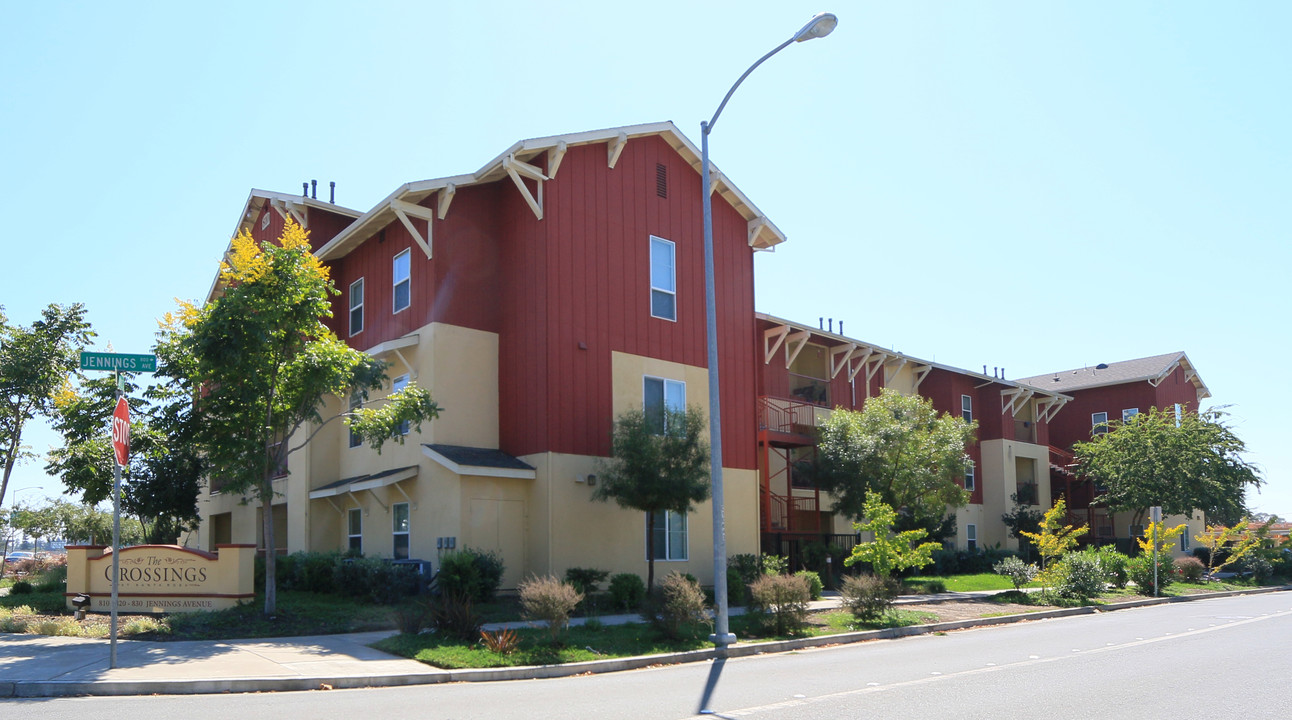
(668, 536)
(971, 536)
(399, 512)
(354, 530)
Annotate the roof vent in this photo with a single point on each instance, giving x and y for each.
(661, 180)
(1101, 366)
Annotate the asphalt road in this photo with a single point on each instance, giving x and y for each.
(1224, 657)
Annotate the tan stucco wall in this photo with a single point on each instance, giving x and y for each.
(998, 477)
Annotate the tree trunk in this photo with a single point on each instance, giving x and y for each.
(650, 552)
(271, 554)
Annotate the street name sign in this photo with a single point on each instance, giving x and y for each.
(118, 361)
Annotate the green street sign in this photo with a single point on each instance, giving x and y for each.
(118, 361)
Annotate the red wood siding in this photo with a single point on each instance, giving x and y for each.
(1073, 423)
(582, 276)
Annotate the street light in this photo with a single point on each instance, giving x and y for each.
(820, 25)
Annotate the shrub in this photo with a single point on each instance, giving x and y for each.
(22, 587)
(1190, 569)
(586, 580)
(1113, 564)
(474, 573)
(781, 602)
(549, 600)
(1258, 565)
(737, 592)
(627, 591)
(929, 587)
(1140, 571)
(814, 583)
(1018, 572)
(309, 571)
(678, 605)
(412, 617)
(376, 581)
(867, 597)
(1081, 576)
(775, 565)
(962, 562)
(748, 565)
(503, 642)
(456, 617)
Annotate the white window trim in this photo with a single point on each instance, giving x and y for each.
(666, 382)
(971, 476)
(355, 402)
(350, 297)
(1128, 413)
(394, 283)
(396, 533)
(673, 248)
(968, 398)
(1095, 425)
(349, 534)
(686, 548)
(971, 536)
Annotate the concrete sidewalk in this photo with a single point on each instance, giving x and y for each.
(46, 666)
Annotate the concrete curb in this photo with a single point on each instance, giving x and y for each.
(56, 688)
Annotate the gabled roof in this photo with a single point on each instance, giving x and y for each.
(515, 162)
(286, 204)
(485, 462)
(1152, 370)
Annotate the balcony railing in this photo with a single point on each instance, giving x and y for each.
(780, 509)
(787, 416)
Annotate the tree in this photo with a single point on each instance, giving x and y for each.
(261, 363)
(898, 447)
(34, 363)
(163, 479)
(1235, 540)
(1055, 538)
(655, 471)
(888, 553)
(1150, 460)
(1021, 521)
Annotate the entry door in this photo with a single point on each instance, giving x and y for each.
(499, 525)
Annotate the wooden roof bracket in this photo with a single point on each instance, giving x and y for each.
(791, 350)
(374, 497)
(516, 169)
(445, 199)
(335, 506)
(861, 362)
(714, 178)
(890, 375)
(403, 210)
(1014, 399)
(770, 348)
(835, 363)
(614, 148)
(756, 226)
(297, 212)
(920, 374)
(397, 486)
(1048, 408)
(554, 157)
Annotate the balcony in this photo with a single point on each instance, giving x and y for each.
(789, 416)
(1025, 431)
(810, 390)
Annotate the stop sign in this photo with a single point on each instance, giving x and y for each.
(121, 432)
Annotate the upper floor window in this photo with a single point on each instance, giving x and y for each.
(402, 280)
(1098, 423)
(966, 408)
(356, 307)
(971, 476)
(1129, 413)
(663, 279)
(659, 397)
(398, 384)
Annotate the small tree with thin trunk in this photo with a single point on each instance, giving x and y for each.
(656, 469)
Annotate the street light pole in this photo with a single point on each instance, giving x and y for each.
(820, 25)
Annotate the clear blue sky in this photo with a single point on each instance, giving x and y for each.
(1038, 186)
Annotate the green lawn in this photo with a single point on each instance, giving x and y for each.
(965, 583)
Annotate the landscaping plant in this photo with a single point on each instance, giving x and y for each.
(548, 599)
(627, 591)
(781, 602)
(1018, 572)
(677, 606)
(887, 554)
(868, 597)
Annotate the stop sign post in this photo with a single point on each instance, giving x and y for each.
(121, 455)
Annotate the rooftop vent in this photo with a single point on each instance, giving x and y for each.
(1101, 366)
(661, 180)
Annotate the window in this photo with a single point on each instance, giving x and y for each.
(356, 307)
(1184, 540)
(403, 285)
(1129, 413)
(971, 478)
(1098, 423)
(398, 384)
(356, 400)
(663, 279)
(971, 536)
(966, 408)
(399, 512)
(354, 530)
(1136, 531)
(1178, 411)
(668, 536)
(659, 397)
